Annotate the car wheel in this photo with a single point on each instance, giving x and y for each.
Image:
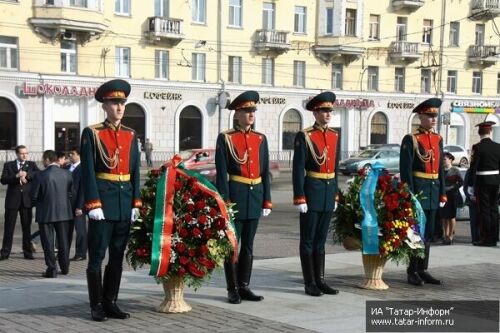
(464, 163)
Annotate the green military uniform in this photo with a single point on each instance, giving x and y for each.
(315, 161)
(422, 168)
(242, 163)
(111, 182)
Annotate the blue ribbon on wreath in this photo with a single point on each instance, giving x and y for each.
(369, 225)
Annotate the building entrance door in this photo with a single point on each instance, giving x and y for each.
(67, 135)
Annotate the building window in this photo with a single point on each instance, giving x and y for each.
(399, 79)
(373, 78)
(451, 83)
(8, 125)
(329, 21)
(425, 84)
(190, 125)
(454, 33)
(161, 64)
(78, 3)
(161, 8)
(337, 73)
(498, 84)
(427, 35)
(8, 52)
(234, 70)
(122, 7)
(401, 25)
(350, 22)
(198, 63)
(292, 123)
(235, 9)
(135, 118)
(68, 56)
(49, 2)
(123, 61)
(299, 73)
(268, 71)
(378, 131)
(268, 16)
(477, 82)
(374, 27)
(199, 11)
(300, 19)
(479, 34)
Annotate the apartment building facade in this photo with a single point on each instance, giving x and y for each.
(186, 59)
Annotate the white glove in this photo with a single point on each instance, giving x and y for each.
(134, 215)
(441, 204)
(97, 214)
(302, 208)
(266, 212)
(470, 190)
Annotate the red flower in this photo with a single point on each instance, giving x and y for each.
(220, 224)
(187, 218)
(209, 264)
(203, 249)
(180, 247)
(140, 252)
(190, 208)
(186, 197)
(195, 190)
(178, 185)
(181, 271)
(200, 204)
(195, 271)
(213, 212)
(183, 233)
(207, 233)
(202, 219)
(183, 260)
(191, 252)
(196, 232)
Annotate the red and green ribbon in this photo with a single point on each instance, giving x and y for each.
(163, 221)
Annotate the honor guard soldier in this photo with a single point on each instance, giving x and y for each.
(110, 169)
(421, 166)
(485, 181)
(242, 164)
(315, 161)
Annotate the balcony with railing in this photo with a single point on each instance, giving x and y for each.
(485, 9)
(271, 41)
(84, 19)
(404, 51)
(484, 54)
(338, 48)
(407, 4)
(166, 29)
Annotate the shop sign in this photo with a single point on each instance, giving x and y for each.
(56, 90)
(475, 106)
(167, 96)
(400, 105)
(360, 104)
(272, 100)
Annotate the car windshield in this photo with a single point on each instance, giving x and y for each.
(368, 153)
(185, 154)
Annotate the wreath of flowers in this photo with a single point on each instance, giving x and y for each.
(399, 232)
(199, 240)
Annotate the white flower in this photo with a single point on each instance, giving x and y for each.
(413, 239)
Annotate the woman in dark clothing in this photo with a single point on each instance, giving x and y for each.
(453, 181)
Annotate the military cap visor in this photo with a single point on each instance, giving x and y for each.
(321, 102)
(429, 106)
(112, 90)
(486, 124)
(246, 101)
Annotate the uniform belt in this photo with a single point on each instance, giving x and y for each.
(426, 175)
(320, 175)
(112, 177)
(245, 180)
(487, 173)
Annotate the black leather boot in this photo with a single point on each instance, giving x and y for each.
(244, 273)
(111, 286)
(413, 277)
(423, 265)
(319, 274)
(233, 296)
(306, 261)
(94, 285)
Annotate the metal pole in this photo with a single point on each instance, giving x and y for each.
(219, 59)
(439, 91)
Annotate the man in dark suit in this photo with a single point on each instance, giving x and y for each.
(51, 193)
(242, 163)
(485, 181)
(79, 224)
(421, 166)
(18, 175)
(315, 162)
(111, 187)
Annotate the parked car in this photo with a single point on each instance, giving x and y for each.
(460, 153)
(197, 157)
(382, 146)
(208, 170)
(388, 157)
